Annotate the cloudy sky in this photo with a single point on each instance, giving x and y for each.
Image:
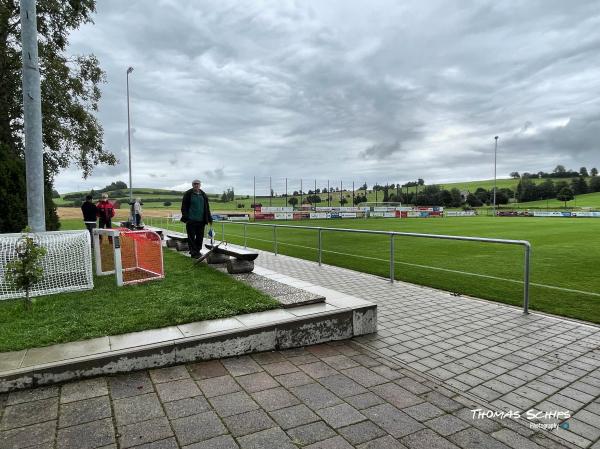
(381, 90)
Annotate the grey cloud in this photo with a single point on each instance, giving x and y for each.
(393, 90)
(578, 138)
(381, 150)
(215, 175)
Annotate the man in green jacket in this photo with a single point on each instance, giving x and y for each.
(195, 213)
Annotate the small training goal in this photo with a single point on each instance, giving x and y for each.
(67, 265)
(132, 256)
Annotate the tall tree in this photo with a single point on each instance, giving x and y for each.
(456, 197)
(565, 194)
(70, 95)
(594, 171)
(579, 186)
(583, 171)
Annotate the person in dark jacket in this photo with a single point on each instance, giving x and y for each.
(90, 212)
(195, 213)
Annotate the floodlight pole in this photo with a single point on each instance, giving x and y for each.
(32, 118)
(129, 70)
(495, 158)
(254, 195)
(270, 191)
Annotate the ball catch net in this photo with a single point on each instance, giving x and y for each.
(67, 265)
(133, 256)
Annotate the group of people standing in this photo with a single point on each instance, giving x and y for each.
(101, 213)
(195, 213)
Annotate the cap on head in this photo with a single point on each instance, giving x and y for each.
(196, 181)
(88, 198)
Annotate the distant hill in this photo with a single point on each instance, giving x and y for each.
(160, 198)
(585, 200)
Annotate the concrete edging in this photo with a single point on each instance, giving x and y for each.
(338, 324)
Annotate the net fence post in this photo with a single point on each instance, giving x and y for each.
(97, 254)
(320, 246)
(222, 231)
(275, 238)
(392, 269)
(245, 239)
(526, 278)
(118, 261)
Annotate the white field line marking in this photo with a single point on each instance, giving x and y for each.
(428, 267)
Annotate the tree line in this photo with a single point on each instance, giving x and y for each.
(434, 195)
(559, 172)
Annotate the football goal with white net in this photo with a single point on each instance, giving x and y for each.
(375, 205)
(132, 256)
(67, 264)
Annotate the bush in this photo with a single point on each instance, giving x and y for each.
(473, 201)
(167, 203)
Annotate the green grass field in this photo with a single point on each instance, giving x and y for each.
(565, 256)
(188, 293)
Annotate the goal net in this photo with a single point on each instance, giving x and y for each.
(374, 205)
(67, 265)
(132, 256)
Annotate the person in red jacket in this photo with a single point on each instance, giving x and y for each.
(105, 212)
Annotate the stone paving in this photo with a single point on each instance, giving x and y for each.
(412, 385)
(331, 396)
(489, 350)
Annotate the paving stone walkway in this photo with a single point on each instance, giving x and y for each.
(412, 385)
(331, 396)
(492, 351)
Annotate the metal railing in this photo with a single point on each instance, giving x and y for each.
(392, 235)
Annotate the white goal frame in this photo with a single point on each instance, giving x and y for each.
(372, 204)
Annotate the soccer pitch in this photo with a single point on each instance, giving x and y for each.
(565, 256)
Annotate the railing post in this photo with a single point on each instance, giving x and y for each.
(392, 270)
(320, 246)
(526, 279)
(245, 246)
(275, 238)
